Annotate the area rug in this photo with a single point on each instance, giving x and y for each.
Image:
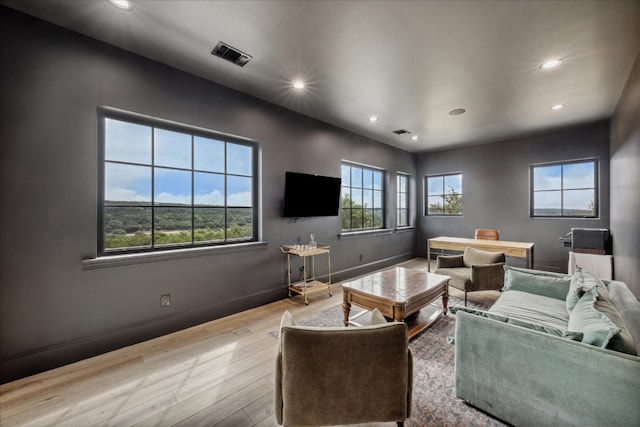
(434, 399)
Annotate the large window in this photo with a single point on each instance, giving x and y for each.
(362, 198)
(565, 189)
(166, 186)
(444, 194)
(402, 204)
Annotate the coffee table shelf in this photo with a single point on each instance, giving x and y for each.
(308, 284)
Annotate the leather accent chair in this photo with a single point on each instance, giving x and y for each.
(342, 375)
(475, 270)
(487, 234)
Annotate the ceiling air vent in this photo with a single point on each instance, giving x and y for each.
(401, 132)
(231, 54)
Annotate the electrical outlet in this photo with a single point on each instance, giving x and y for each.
(165, 300)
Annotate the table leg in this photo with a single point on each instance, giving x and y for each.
(346, 308)
(428, 256)
(445, 299)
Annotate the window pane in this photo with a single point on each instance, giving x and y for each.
(377, 199)
(453, 182)
(208, 154)
(208, 224)
(367, 178)
(367, 198)
(547, 178)
(208, 189)
(346, 219)
(356, 197)
(127, 227)
(356, 177)
(173, 149)
(377, 180)
(346, 197)
(346, 176)
(402, 217)
(172, 187)
(127, 183)
(239, 191)
(239, 160)
(240, 223)
(367, 220)
(578, 203)
(377, 218)
(402, 200)
(127, 142)
(435, 185)
(435, 205)
(172, 226)
(356, 218)
(547, 203)
(578, 175)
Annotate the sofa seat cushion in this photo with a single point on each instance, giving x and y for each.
(532, 308)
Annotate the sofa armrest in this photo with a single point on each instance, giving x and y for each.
(449, 261)
(526, 377)
(487, 276)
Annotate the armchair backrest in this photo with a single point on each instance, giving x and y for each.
(328, 376)
(474, 256)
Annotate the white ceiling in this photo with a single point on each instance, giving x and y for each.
(407, 62)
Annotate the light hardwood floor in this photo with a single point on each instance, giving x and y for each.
(219, 373)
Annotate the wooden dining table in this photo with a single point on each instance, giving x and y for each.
(514, 249)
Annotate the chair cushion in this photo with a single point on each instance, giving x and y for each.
(474, 256)
(460, 277)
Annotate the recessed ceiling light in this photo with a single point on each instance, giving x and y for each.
(414, 138)
(373, 119)
(557, 107)
(553, 63)
(457, 112)
(122, 4)
(298, 84)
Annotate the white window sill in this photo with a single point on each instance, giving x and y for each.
(365, 233)
(108, 261)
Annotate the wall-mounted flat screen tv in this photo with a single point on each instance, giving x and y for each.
(310, 195)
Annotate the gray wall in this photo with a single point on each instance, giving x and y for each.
(625, 183)
(495, 190)
(52, 310)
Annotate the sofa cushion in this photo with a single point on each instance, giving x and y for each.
(559, 332)
(532, 308)
(553, 285)
(581, 281)
(474, 256)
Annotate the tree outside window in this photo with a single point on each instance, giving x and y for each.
(444, 194)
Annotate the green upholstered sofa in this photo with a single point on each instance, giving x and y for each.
(527, 363)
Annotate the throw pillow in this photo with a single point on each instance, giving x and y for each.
(552, 285)
(596, 327)
(582, 281)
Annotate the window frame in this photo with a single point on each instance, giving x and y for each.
(443, 194)
(403, 211)
(562, 164)
(153, 123)
(382, 194)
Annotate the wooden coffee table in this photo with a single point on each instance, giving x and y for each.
(398, 293)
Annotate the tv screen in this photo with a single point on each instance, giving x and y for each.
(310, 195)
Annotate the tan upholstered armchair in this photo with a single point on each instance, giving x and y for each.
(475, 270)
(340, 375)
